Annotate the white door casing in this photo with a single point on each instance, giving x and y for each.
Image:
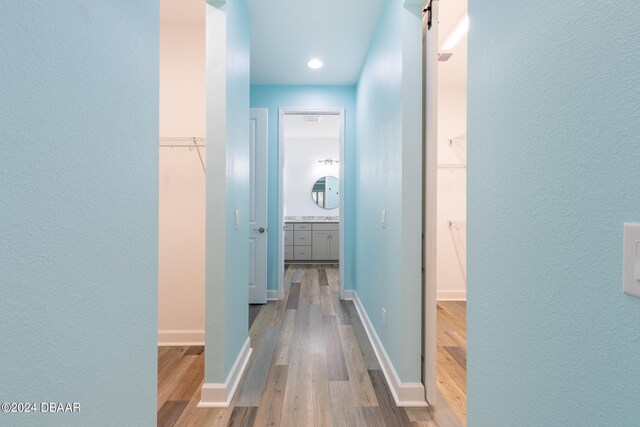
(281, 247)
(258, 206)
(430, 166)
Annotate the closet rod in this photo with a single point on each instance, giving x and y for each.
(458, 138)
(196, 142)
(451, 166)
(182, 139)
(183, 145)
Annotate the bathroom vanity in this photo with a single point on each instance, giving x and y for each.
(311, 240)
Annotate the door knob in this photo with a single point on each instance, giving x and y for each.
(260, 230)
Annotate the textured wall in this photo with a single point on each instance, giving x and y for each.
(388, 177)
(553, 174)
(79, 210)
(227, 250)
(274, 97)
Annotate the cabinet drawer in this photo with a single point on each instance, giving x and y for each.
(331, 226)
(302, 252)
(302, 238)
(288, 253)
(302, 226)
(288, 238)
(288, 226)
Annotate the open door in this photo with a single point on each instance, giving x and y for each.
(430, 168)
(258, 207)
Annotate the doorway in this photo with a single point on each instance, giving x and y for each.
(311, 190)
(258, 210)
(445, 27)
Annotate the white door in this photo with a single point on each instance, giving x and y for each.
(258, 207)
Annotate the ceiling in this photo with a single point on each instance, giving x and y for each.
(285, 34)
(295, 126)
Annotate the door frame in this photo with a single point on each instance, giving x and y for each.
(430, 200)
(282, 112)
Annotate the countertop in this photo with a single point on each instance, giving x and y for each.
(312, 219)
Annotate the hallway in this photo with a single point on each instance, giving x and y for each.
(312, 365)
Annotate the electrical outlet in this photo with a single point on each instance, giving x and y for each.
(383, 219)
(384, 317)
(237, 217)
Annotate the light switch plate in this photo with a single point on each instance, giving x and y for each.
(631, 260)
(383, 219)
(237, 216)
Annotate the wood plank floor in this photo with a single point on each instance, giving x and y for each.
(452, 356)
(312, 365)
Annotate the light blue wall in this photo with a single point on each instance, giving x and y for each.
(388, 177)
(275, 97)
(79, 210)
(227, 257)
(554, 172)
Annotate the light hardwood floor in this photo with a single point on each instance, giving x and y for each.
(452, 356)
(312, 365)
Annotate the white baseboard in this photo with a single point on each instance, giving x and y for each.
(272, 295)
(404, 394)
(180, 337)
(217, 395)
(348, 294)
(452, 295)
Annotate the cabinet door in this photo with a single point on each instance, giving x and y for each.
(301, 253)
(321, 245)
(288, 253)
(334, 245)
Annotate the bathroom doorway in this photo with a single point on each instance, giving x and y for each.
(310, 191)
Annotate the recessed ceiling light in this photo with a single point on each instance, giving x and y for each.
(315, 63)
(460, 30)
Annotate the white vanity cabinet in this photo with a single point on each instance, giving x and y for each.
(310, 241)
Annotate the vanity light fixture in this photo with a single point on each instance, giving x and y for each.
(328, 161)
(457, 34)
(315, 63)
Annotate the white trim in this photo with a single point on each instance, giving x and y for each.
(452, 295)
(404, 394)
(272, 295)
(180, 337)
(348, 295)
(311, 111)
(430, 211)
(216, 395)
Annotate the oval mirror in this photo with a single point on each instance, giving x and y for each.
(325, 192)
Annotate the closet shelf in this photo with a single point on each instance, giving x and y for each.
(188, 142)
(458, 139)
(457, 224)
(451, 166)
